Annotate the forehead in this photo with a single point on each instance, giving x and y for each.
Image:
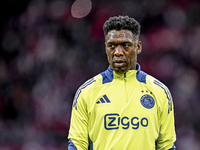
(115, 35)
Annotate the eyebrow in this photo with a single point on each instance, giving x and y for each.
(118, 42)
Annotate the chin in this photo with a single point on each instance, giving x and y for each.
(120, 71)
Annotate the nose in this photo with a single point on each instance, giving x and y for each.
(118, 51)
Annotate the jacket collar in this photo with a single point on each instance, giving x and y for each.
(109, 74)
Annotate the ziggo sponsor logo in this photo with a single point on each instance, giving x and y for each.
(114, 121)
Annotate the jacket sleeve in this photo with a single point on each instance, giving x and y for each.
(167, 135)
(78, 132)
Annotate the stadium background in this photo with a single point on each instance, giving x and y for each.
(46, 54)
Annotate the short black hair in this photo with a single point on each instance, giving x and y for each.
(122, 23)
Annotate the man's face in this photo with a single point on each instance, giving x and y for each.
(122, 48)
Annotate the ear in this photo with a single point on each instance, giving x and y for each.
(139, 47)
(105, 48)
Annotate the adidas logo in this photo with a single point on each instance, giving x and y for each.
(104, 99)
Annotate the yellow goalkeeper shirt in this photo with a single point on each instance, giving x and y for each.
(131, 111)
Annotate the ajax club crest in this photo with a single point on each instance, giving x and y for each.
(147, 101)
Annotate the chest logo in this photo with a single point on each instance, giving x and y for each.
(103, 99)
(147, 101)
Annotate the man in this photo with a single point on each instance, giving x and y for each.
(122, 108)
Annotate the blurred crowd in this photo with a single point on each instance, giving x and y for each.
(46, 54)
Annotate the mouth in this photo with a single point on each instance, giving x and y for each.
(119, 63)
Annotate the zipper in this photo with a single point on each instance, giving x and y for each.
(125, 88)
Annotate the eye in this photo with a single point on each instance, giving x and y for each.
(126, 45)
(111, 46)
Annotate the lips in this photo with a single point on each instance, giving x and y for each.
(118, 60)
(119, 63)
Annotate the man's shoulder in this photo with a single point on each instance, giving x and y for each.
(156, 82)
(92, 82)
(158, 86)
(150, 80)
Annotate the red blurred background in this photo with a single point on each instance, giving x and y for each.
(46, 54)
